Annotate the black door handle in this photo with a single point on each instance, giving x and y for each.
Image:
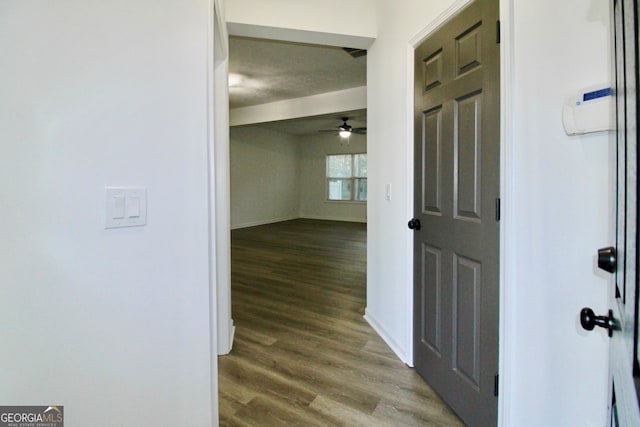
(607, 259)
(414, 224)
(589, 320)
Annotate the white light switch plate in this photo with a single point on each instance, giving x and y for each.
(125, 207)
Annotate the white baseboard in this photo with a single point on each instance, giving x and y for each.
(232, 335)
(333, 218)
(395, 347)
(263, 222)
(225, 348)
(318, 217)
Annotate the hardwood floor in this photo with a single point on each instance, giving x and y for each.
(303, 355)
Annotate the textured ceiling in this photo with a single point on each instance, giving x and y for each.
(263, 71)
(272, 71)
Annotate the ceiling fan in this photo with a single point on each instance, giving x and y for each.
(345, 130)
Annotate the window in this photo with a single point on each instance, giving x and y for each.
(347, 177)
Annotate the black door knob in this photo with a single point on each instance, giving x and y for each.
(607, 259)
(589, 320)
(414, 224)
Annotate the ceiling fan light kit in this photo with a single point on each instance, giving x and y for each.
(345, 130)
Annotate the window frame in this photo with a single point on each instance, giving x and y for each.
(352, 179)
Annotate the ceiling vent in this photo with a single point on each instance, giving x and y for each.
(356, 53)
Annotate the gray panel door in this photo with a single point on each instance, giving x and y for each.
(457, 178)
(624, 360)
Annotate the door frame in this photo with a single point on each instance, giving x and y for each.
(507, 240)
(219, 187)
(217, 113)
(222, 325)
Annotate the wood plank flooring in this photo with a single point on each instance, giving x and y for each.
(303, 355)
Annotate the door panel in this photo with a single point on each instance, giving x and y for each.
(456, 253)
(466, 149)
(432, 162)
(432, 290)
(469, 49)
(466, 325)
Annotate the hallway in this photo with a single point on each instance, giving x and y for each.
(303, 354)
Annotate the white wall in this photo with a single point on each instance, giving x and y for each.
(313, 150)
(390, 148)
(264, 176)
(278, 177)
(330, 22)
(558, 215)
(112, 324)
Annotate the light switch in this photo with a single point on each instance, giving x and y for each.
(388, 195)
(118, 207)
(125, 207)
(133, 207)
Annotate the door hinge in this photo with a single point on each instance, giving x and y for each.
(498, 209)
(495, 385)
(498, 32)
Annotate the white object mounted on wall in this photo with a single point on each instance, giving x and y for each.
(126, 207)
(592, 110)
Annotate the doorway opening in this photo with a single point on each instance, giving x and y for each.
(292, 107)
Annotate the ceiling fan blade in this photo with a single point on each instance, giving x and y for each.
(345, 127)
